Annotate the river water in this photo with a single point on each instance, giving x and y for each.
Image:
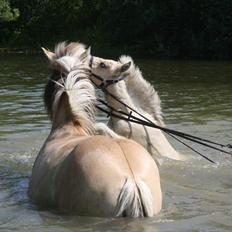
(197, 196)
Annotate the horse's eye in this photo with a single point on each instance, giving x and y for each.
(102, 65)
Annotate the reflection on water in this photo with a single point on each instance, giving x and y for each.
(196, 98)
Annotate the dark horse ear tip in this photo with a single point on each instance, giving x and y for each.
(126, 66)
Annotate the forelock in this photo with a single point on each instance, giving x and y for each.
(71, 49)
(125, 59)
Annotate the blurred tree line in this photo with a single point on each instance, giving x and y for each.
(153, 28)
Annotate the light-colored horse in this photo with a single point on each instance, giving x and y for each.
(81, 172)
(139, 94)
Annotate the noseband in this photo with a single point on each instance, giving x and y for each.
(105, 83)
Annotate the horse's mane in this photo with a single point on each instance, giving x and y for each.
(142, 92)
(70, 78)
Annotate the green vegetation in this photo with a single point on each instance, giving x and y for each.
(153, 28)
(6, 12)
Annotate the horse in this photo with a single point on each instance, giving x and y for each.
(139, 94)
(78, 171)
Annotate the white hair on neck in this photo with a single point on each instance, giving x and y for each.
(81, 98)
(142, 92)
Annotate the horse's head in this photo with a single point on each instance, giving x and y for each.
(67, 57)
(70, 71)
(108, 69)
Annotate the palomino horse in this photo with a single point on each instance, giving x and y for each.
(81, 172)
(137, 93)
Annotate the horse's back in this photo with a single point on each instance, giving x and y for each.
(102, 166)
(122, 155)
(91, 177)
(89, 180)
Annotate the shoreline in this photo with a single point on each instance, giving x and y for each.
(113, 54)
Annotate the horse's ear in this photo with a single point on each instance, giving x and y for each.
(88, 51)
(84, 56)
(50, 55)
(125, 67)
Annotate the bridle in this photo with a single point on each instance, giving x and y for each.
(105, 83)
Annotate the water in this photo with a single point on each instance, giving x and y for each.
(197, 98)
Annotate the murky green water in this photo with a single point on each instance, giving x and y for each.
(197, 98)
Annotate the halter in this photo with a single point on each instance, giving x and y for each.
(105, 83)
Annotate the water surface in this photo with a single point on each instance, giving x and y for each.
(197, 196)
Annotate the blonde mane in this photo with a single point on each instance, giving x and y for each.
(72, 81)
(142, 92)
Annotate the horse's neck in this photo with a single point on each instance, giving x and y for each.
(144, 96)
(65, 124)
(119, 90)
(63, 118)
(138, 90)
(71, 112)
